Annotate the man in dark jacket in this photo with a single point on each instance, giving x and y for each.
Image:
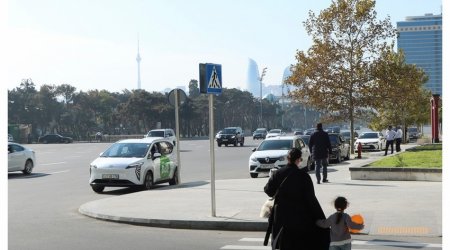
(320, 148)
(296, 209)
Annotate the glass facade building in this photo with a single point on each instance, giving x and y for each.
(420, 37)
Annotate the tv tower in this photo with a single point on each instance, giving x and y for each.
(138, 60)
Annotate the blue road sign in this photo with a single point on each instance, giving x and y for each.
(213, 78)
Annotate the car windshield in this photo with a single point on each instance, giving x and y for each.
(275, 131)
(229, 131)
(346, 134)
(333, 139)
(412, 130)
(260, 131)
(306, 139)
(368, 135)
(275, 145)
(155, 134)
(127, 150)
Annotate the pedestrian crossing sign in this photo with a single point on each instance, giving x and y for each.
(211, 78)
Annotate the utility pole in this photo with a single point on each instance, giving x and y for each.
(260, 92)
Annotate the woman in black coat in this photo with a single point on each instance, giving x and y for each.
(296, 208)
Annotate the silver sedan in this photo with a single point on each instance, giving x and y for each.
(20, 158)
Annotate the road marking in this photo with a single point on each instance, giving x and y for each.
(59, 172)
(53, 163)
(356, 242)
(396, 243)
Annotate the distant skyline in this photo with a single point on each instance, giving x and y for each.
(93, 44)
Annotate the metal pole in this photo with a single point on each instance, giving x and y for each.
(260, 94)
(177, 128)
(211, 152)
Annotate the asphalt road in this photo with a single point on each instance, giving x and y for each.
(42, 207)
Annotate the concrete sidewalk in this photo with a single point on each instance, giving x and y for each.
(388, 207)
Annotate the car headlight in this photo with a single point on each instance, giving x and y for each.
(135, 165)
(253, 158)
(334, 149)
(233, 137)
(282, 158)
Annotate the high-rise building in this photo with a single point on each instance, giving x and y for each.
(138, 60)
(253, 82)
(420, 37)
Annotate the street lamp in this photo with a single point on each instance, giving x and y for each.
(260, 92)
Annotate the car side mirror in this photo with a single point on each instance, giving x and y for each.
(156, 155)
(254, 149)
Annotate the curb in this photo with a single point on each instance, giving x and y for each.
(227, 225)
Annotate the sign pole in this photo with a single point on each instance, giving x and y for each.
(177, 128)
(211, 150)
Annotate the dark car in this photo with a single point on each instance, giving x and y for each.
(260, 133)
(340, 148)
(347, 136)
(54, 138)
(230, 135)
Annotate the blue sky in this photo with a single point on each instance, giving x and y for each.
(93, 44)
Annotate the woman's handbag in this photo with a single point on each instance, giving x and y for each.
(267, 208)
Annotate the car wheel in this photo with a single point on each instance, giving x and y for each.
(254, 175)
(219, 144)
(235, 143)
(98, 188)
(28, 167)
(148, 181)
(242, 142)
(338, 157)
(226, 145)
(174, 180)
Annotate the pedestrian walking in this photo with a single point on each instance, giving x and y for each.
(398, 139)
(340, 223)
(390, 135)
(320, 148)
(296, 208)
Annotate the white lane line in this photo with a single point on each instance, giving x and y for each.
(53, 163)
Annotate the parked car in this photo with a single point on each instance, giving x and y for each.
(231, 136)
(135, 162)
(298, 132)
(260, 133)
(309, 131)
(347, 135)
(275, 132)
(340, 148)
(55, 138)
(272, 153)
(20, 158)
(10, 137)
(305, 138)
(370, 141)
(163, 133)
(413, 133)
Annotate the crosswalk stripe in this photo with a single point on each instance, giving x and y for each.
(364, 242)
(396, 243)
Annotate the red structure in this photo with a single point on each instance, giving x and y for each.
(359, 150)
(435, 118)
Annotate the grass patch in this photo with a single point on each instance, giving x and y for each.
(413, 159)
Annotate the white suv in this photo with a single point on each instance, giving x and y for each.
(167, 133)
(272, 153)
(135, 162)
